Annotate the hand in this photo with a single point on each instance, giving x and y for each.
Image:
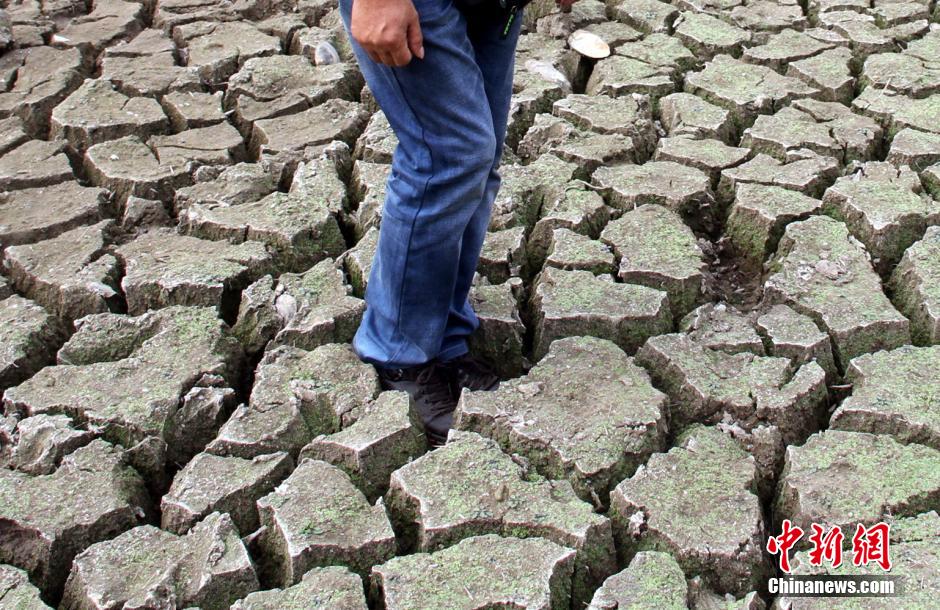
(387, 30)
(565, 5)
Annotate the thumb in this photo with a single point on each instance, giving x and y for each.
(415, 39)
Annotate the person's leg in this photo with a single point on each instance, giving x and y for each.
(438, 108)
(496, 58)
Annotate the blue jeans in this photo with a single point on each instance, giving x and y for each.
(449, 112)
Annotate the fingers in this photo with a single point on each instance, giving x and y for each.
(415, 38)
(388, 31)
(400, 55)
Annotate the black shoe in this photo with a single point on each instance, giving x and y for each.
(432, 392)
(469, 372)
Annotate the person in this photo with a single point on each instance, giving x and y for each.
(442, 72)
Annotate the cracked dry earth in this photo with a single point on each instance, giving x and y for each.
(710, 284)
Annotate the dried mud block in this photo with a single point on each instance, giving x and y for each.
(709, 155)
(821, 272)
(721, 327)
(684, 114)
(241, 183)
(96, 112)
(267, 87)
(667, 53)
(42, 441)
(578, 209)
(759, 215)
(913, 552)
(304, 310)
(154, 384)
(12, 134)
(789, 334)
(526, 188)
(29, 337)
(572, 251)
(866, 37)
(299, 228)
(387, 435)
(192, 110)
(540, 417)
(36, 163)
(146, 567)
(788, 46)
(826, 128)
(656, 249)
(296, 396)
(332, 588)
(652, 581)
(44, 77)
(744, 89)
(216, 145)
(830, 72)
(32, 215)
(334, 119)
(210, 483)
(218, 50)
(503, 255)
(742, 389)
(914, 148)
(146, 74)
(766, 17)
(893, 393)
(684, 190)
(537, 84)
(896, 112)
(647, 16)
(162, 268)
(546, 131)
(619, 76)
(629, 115)
(708, 36)
(884, 208)
(18, 592)
(469, 487)
(71, 275)
(912, 72)
(378, 141)
(483, 571)
(367, 186)
(703, 598)
(49, 519)
(576, 303)
(109, 22)
(357, 261)
(846, 478)
(696, 503)
(128, 167)
(500, 337)
(916, 285)
(318, 518)
(169, 14)
(809, 175)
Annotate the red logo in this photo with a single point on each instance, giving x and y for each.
(828, 547)
(782, 544)
(869, 545)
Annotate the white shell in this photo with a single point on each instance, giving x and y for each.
(325, 54)
(588, 44)
(547, 71)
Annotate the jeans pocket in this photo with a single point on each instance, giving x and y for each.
(432, 9)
